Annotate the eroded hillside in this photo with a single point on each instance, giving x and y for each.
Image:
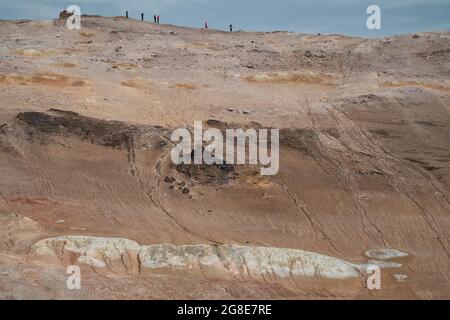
(86, 175)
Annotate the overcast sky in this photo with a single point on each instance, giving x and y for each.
(308, 16)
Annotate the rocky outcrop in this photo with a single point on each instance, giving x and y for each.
(254, 262)
(114, 134)
(65, 14)
(386, 254)
(117, 255)
(120, 255)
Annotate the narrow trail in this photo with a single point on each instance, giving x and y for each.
(152, 194)
(338, 166)
(385, 160)
(316, 226)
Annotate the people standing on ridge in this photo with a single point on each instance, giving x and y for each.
(126, 14)
(157, 18)
(231, 27)
(206, 25)
(154, 18)
(142, 16)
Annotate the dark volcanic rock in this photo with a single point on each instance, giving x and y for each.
(115, 134)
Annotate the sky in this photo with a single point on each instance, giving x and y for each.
(305, 16)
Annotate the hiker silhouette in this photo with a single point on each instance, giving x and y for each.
(157, 18)
(231, 27)
(206, 25)
(154, 18)
(126, 14)
(142, 16)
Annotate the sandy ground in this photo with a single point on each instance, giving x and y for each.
(85, 122)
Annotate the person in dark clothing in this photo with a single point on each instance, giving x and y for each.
(154, 18)
(231, 27)
(206, 25)
(142, 16)
(157, 19)
(126, 14)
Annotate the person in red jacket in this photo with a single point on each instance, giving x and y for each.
(157, 18)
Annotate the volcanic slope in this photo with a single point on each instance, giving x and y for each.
(87, 179)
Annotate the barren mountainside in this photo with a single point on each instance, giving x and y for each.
(86, 118)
